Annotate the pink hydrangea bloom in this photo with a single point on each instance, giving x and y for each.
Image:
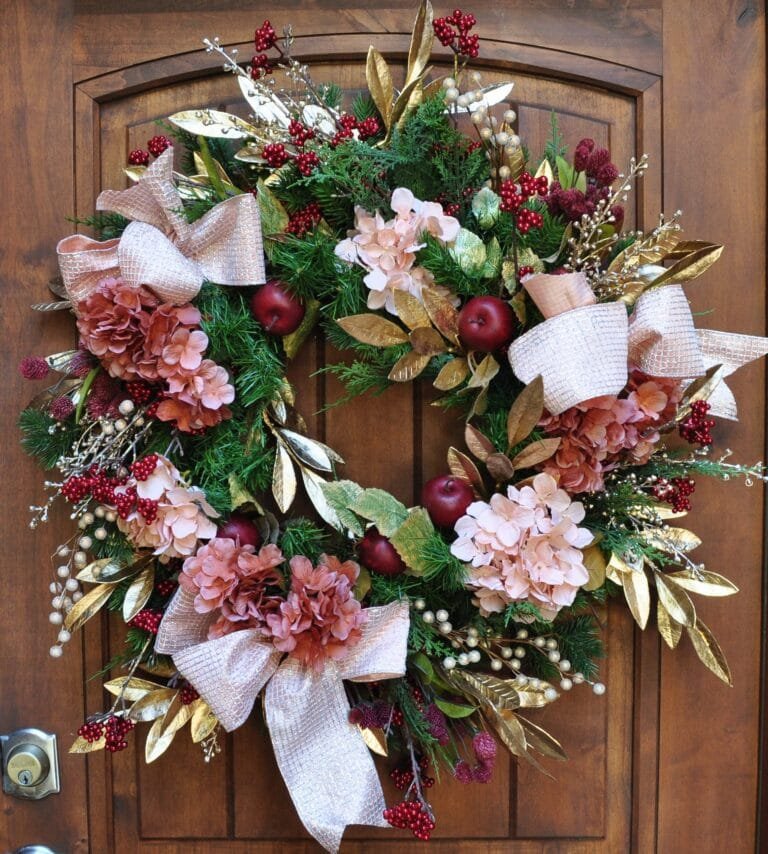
(524, 546)
(320, 618)
(387, 249)
(598, 433)
(198, 399)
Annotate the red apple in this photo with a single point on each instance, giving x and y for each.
(276, 309)
(486, 324)
(446, 499)
(241, 528)
(379, 555)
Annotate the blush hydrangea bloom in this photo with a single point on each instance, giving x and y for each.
(524, 546)
(387, 249)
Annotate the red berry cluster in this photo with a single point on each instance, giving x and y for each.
(524, 271)
(140, 392)
(165, 588)
(403, 777)
(143, 468)
(157, 145)
(697, 428)
(275, 154)
(304, 220)
(125, 502)
(514, 195)
(138, 157)
(265, 37)
(114, 729)
(307, 162)
(91, 731)
(676, 492)
(459, 39)
(261, 66)
(365, 129)
(299, 132)
(95, 482)
(148, 619)
(148, 509)
(398, 719)
(411, 815)
(188, 695)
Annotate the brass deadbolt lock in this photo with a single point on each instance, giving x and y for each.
(30, 764)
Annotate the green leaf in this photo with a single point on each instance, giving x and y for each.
(454, 710)
(581, 182)
(421, 662)
(486, 206)
(469, 251)
(409, 539)
(494, 257)
(565, 173)
(381, 508)
(340, 494)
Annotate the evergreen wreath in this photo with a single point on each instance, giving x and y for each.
(414, 231)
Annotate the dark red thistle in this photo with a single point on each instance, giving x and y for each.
(61, 408)
(34, 368)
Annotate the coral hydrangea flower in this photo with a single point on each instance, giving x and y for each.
(524, 546)
(320, 618)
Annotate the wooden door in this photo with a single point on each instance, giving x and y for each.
(668, 760)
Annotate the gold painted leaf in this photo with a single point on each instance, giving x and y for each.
(213, 123)
(59, 305)
(87, 607)
(308, 451)
(525, 413)
(283, 479)
(410, 310)
(314, 484)
(375, 739)
(484, 373)
(595, 564)
(540, 740)
(462, 467)
(132, 689)
(80, 745)
(408, 366)
(704, 583)
(379, 80)
(420, 47)
(204, 722)
(638, 595)
(239, 496)
(152, 705)
(138, 593)
(691, 259)
(452, 374)
(536, 452)
(442, 314)
(410, 537)
(670, 538)
(708, 650)
(492, 690)
(407, 99)
(60, 362)
(545, 171)
(700, 389)
(509, 729)
(372, 329)
(164, 729)
(675, 600)
(516, 163)
(478, 443)
(292, 343)
(92, 574)
(500, 467)
(480, 403)
(427, 341)
(668, 628)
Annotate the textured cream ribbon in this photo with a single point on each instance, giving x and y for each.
(160, 248)
(583, 352)
(325, 764)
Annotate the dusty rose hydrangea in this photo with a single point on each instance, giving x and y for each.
(387, 248)
(598, 433)
(183, 515)
(320, 618)
(235, 579)
(524, 546)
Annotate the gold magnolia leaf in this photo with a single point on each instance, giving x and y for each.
(675, 600)
(87, 607)
(671, 539)
(478, 443)
(700, 389)
(525, 413)
(540, 740)
(427, 341)
(410, 310)
(442, 314)
(132, 689)
(509, 730)
(313, 484)
(636, 590)
(534, 698)
(372, 329)
(545, 171)
(420, 47)
(308, 451)
(152, 705)
(462, 467)
(480, 404)
(213, 123)
(708, 650)
(80, 745)
(283, 479)
(43, 398)
(536, 452)
(160, 667)
(491, 690)
(484, 373)
(500, 467)
(595, 564)
(375, 739)
(379, 80)
(164, 729)
(138, 593)
(704, 583)
(92, 574)
(404, 102)
(203, 723)
(668, 628)
(409, 366)
(60, 362)
(692, 258)
(516, 163)
(452, 373)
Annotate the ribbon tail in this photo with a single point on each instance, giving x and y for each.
(731, 350)
(326, 766)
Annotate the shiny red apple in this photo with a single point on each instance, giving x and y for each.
(277, 309)
(379, 555)
(486, 324)
(446, 499)
(241, 528)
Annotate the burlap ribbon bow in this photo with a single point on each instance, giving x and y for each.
(160, 248)
(325, 764)
(583, 348)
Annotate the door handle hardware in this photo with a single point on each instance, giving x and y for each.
(30, 766)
